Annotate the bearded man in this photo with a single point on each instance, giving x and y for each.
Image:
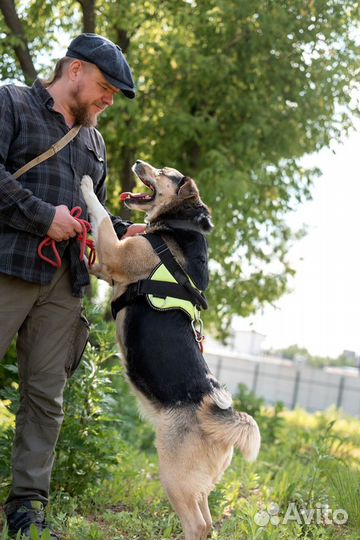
(41, 304)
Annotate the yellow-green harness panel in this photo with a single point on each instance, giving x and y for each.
(161, 273)
(167, 287)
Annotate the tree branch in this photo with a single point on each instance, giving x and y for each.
(16, 28)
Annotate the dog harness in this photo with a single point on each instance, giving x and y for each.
(167, 287)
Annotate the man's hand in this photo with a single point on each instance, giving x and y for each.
(64, 226)
(133, 230)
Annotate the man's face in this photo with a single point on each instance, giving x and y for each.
(92, 95)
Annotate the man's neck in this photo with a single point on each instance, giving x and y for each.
(57, 92)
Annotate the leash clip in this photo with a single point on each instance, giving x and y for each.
(197, 326)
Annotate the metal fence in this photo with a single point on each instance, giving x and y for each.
(310, 388)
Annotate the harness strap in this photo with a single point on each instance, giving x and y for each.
(162, 250)
(161, 289)
(182, 224)
(183, 289)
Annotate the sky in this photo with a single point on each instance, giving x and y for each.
(322, 313)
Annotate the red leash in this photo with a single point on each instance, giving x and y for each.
(82, 237)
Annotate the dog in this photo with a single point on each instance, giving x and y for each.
(195, 423)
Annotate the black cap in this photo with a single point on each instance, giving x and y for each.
(108, 57)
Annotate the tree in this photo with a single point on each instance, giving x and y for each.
(231, 93)
(295, 352)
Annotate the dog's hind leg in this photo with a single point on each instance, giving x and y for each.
(187, 470)
(187, 508)
(204, 507)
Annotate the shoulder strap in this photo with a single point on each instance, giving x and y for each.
(59, 145)
(163, 252)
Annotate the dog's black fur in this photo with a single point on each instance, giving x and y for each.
(167, 364)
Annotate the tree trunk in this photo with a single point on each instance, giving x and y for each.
(127, 178)
(122, 39)
(22, 53)
(89, 15)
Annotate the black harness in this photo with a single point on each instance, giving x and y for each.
(183, 289)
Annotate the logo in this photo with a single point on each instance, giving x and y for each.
(322, 514)
(263, 518)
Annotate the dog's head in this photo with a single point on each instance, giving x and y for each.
(172, 195)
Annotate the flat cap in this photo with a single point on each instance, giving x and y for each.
(108, 57)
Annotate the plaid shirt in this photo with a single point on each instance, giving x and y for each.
(28, 127)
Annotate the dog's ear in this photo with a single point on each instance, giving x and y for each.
(187, 188)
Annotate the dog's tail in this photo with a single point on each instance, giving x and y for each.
(224, 424)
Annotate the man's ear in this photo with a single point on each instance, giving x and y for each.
(187, 188)
(74, 68)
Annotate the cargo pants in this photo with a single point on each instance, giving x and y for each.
(51, 337)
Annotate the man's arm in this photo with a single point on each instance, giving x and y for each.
(19, 208)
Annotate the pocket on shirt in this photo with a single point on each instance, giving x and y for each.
(95, 164)
(96, 153)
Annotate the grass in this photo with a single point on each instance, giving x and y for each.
(308, 470)
(106, 484)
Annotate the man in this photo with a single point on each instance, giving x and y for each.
(40, 303)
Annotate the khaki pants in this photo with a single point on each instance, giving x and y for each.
(52, 334)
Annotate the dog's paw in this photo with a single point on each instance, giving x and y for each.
(87, 185)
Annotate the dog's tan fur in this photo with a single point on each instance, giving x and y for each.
(194, 448)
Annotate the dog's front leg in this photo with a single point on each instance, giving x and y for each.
(124, 261)
(96, 210)
(103, 231)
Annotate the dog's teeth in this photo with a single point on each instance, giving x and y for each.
(124, 196)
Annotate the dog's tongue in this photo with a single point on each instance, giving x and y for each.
(140, 196)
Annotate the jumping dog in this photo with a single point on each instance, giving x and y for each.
(159, 333)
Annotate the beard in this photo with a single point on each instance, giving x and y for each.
(82, 111)
(84, 117)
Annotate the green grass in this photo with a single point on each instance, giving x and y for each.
(105, 482)
(311, 462)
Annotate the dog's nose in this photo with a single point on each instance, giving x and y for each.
(139, 161)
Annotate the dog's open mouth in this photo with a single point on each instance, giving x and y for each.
(140, 197)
